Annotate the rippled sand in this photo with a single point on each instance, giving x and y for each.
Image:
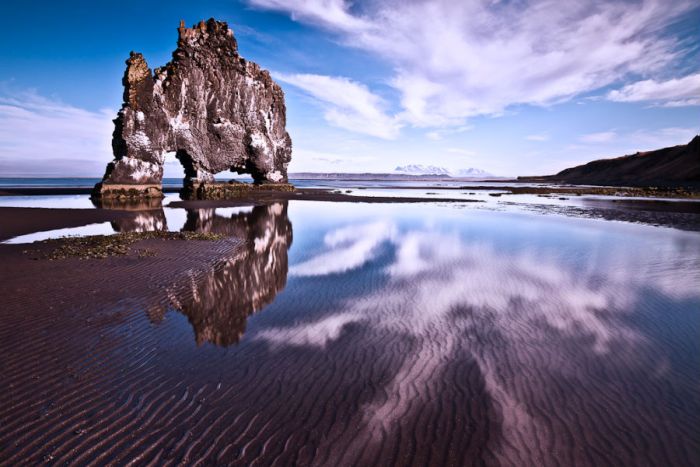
(381, 335)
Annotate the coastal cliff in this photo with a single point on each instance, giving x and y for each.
(215, 110)
(675, 166)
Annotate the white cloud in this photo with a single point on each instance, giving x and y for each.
(638, 140)
(437, 135)
(461, 151)
(348, 104)
(46, 137)
(601, 137)
(454, 60)
(539, 137)
(673, 92)
(661, 138)
(330, 14)
(320, 160)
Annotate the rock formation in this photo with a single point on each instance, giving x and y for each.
(209, 105)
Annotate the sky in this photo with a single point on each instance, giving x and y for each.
(512, 87)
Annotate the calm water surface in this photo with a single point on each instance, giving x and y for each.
(346, 334)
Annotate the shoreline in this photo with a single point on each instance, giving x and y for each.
(509, 187)
(21, 221)
(681, 213)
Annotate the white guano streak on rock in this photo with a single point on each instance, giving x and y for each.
(275, 176)
(140, 169)
(140, 140)
(259, 141)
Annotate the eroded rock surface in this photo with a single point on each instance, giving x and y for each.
(209, 105)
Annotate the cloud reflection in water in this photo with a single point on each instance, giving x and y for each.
(529, 309)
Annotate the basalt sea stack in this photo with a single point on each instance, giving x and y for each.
(215, 110)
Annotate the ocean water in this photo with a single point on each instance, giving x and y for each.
(301, 183)
(66, 182)
(370, 334)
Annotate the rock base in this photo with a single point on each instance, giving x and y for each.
(113, 191)
(229, 190)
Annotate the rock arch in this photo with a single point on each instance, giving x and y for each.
(210, 106)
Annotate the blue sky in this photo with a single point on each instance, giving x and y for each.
(511, 87)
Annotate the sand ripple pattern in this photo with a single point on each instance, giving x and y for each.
(420, 346)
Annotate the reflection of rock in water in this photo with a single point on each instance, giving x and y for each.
(128, 204)
(149, 215)
(219, 302)
(146, 221)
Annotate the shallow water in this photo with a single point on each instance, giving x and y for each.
(67, 182)
(177, 182)
(408, 334)
(62, 201)
(160, 216)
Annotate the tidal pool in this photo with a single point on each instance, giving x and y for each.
(368, 334)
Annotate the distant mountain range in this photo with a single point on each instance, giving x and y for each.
(380, 176)
(418, 169)
(672, 166)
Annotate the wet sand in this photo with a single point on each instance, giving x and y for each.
(67, 391)
(76, 346)
(316, 194)
(576, 190)
(508, 186)
(677, 214)
(94, 371)
(20, 221)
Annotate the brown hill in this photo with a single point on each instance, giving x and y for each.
(673, 166)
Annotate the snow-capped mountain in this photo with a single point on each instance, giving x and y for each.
(472, 172)
(419, 169)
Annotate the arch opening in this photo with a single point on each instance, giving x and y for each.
(174, 172)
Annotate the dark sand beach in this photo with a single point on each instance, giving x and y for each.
(336, 333)
(19, 221)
